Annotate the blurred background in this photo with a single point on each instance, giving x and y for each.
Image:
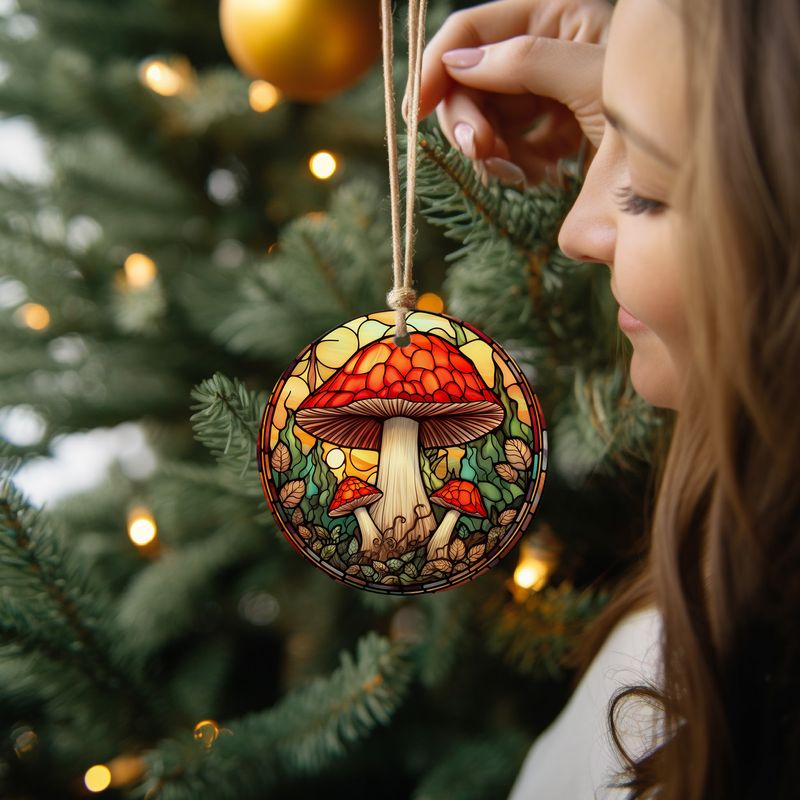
(184, 206)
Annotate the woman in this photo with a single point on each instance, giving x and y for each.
(692, 199)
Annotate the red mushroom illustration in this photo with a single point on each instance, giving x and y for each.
(355, 495)
(458, 497)
(396, 400)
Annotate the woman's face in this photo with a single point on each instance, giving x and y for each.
(645, 135)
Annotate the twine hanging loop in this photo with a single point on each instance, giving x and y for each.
(402, 297)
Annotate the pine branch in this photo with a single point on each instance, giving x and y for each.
(11, 459)
(226, 421)
(69, 622)
(452, 196)
(447, 618)
(326, 268)
(306, 731)
(23, 632)
(509, 277)
(174, 490)
(536, 635)
(604, 426)
(145, 623)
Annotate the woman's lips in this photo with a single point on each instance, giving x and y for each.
(628, 322)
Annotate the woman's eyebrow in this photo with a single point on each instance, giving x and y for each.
(619, 124)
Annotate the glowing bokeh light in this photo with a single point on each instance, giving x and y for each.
(97, 778)
(531, 574)
(142, 529)
(263, 96)
(139, 270)
(206, 731)
(166, 78)
(428, 301)
(322, 165)
(34, 316)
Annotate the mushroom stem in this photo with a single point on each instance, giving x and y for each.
(369, 533)
(441, 536)
(404, 512)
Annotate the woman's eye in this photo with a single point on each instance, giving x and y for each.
(632, 203)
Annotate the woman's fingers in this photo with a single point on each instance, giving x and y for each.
(471, 27)
(569, 72)
(463, 120)
(584, 21)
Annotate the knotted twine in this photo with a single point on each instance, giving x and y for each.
(402, 297)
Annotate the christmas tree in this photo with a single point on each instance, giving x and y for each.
(159, 637)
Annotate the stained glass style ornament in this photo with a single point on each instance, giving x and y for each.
(403, 470)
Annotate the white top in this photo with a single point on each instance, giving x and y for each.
(575, 758)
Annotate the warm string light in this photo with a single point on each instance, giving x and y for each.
(34, 316)
(538, 558)
(126, 769)
(120, 771)
(140, 270)
(322, 165)
(97, 778)
(142, 528)
(207, 731)
(531, 573)
(166, 77)
(263, 96)
(428, 301)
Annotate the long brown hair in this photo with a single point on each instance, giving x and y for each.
(723, 565)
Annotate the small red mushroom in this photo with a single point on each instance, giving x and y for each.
(355, 495)
(395, 400)
(458, 497)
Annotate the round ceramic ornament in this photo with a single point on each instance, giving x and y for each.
(403, 469)
(309, 49)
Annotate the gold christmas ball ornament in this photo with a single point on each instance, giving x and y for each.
(309, 49)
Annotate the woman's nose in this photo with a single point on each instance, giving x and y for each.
(589, 231)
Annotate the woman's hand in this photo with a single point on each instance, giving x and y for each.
(516, 63)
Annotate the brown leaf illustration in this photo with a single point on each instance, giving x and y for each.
(476, 552)
(494, 534)
(508, 516)
(281, 458)
(297, 517)
(456, 550)
(506, 472)
(304, 531)
(292, 492)
(518, 453)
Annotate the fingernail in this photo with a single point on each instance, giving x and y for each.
(465, 136)
(465, 57)
(505, 170)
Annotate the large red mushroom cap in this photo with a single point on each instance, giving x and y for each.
(428, 380)
(462, 496)
(353, 493)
